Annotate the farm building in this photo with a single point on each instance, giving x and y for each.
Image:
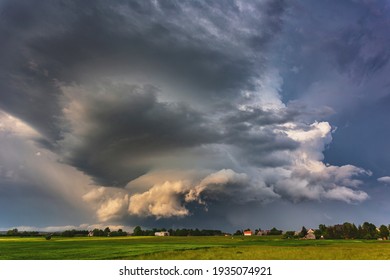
(161, 233)
(310, 234)
(248, 233)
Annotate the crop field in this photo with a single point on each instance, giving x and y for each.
(190, 248)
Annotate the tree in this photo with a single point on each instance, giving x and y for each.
(384, 232)
(275, 231)
(348, 230)
(137, 231)
(318, 234)
(360, 232)
(322, 228)
(238, 232)
(13, 232)
(289, 235)
(303, 232)
(369, 230)
(98, 232)
(68, 233)
(121, 232)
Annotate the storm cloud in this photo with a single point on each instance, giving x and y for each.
(166, 109)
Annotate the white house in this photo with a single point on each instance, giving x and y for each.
(161, 233)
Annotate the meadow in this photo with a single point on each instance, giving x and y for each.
(190, 248)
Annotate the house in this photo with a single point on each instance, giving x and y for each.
(248, 233)
(310, 234)
(161, 233)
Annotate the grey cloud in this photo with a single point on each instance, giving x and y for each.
(121, 129)
(62, 43)
(258, 148)
(261, 117)
(332, 182)
(252, 133)
(69, 41)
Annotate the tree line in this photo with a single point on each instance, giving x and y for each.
(68, 233)
(16, 232)
(138, 231)
(340, 231)
(345, 231)
(273, 231)
(108, 232)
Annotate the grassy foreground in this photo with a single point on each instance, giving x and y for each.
(190, 248)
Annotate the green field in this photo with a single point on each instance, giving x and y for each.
(190, 248)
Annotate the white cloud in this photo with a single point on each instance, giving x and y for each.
(385, 180)
(160, 201)
(346, 194)
(113, 208)
(110, 203)
(306, 177)
(170, 198)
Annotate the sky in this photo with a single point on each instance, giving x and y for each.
(198, 114)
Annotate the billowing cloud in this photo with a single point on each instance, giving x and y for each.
(160, 201)
(216, 180)
(110, 204)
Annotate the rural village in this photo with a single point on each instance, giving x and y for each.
(346, 230)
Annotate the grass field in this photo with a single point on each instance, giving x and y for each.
(190, 248)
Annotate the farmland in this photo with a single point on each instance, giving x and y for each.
(190, 248)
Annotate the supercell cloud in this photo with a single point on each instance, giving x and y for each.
(174, 110)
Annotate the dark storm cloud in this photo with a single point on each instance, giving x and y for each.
(122, 126)
(128, 127)
(261, 117)
(186, 41)
(196, 44)
(252, 132)
(254, 145)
